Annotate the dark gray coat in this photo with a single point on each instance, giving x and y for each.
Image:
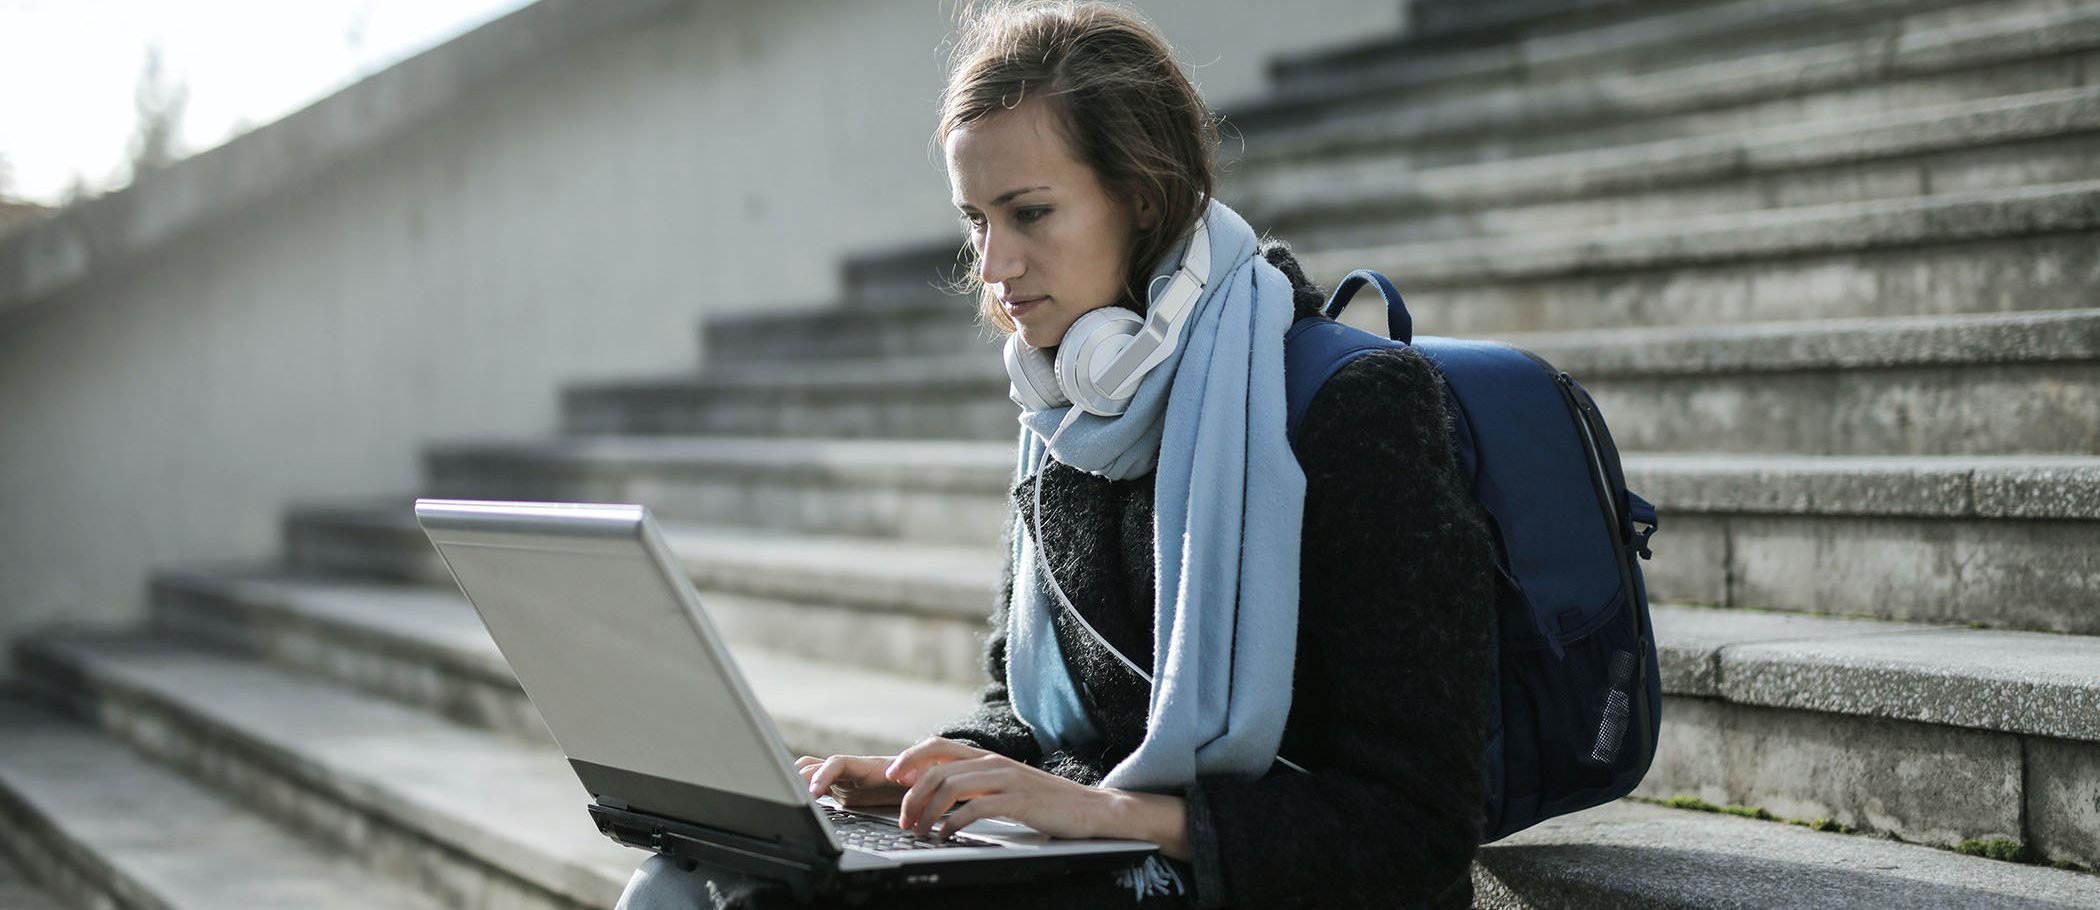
(1395, 655)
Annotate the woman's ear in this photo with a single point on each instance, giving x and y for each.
(1146, 215)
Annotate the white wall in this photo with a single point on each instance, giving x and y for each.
(444, 280)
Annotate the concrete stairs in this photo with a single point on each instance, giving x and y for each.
(1828, 265)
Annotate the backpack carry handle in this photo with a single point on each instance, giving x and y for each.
(1398, 325)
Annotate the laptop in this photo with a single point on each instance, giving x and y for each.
(609, 640)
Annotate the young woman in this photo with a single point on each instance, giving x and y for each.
(1275, 664)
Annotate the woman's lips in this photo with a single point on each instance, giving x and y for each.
(1018, 306)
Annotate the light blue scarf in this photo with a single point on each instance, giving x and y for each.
(1228, 501)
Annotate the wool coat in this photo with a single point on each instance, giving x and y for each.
(1395, 654)
(1394, 671)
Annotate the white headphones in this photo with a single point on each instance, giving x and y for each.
(1108, 351)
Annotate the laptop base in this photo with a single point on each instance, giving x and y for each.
(808, 875)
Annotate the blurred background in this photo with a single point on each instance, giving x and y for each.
(267, 271)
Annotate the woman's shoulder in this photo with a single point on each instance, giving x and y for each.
(1378, 392)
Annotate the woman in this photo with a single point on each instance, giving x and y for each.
(1316, 732)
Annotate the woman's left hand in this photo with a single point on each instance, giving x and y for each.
(942, 772)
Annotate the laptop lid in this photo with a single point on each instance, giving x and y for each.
(606, 636)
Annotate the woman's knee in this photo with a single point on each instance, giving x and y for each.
(658, 884)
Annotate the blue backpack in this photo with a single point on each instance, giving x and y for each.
(1578, 700)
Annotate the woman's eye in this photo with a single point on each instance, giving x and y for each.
(1030, 216)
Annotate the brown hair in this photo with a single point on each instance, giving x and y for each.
(1117, 96)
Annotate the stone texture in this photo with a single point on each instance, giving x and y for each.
(2019, 274)
(425, 799)
(428, 649)
(1965, 61)
(106, 826)
(2063, 799)
(2036, 575)
(1690, 641)
(1776, 234)
(954, 582)
(2013, 682)
(1924, 783)
(1872, 485)
(1623, 855)
(1381, 195)
(917, 647)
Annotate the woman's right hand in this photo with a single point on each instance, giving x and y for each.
(854, 780)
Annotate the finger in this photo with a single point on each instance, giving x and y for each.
(913, 762)
(828, 773)
(953, 787)
(977, 809)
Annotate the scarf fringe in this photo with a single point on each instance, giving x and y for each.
(1154, 877)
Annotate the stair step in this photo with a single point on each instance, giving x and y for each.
(1627, 855)
(107, 828)
(469, 815)
(903, 277)
(1972, 52)
(2004, 541)
(427, 648)
(932, 491)
(1961, 385)
(1561, 40)
(1989, 384)
(1375, 197)
(2000, 541)
(938, 324)
(2005, 739)
(1935, 735)
(1999, 250)
(457, 807)
(940, 581)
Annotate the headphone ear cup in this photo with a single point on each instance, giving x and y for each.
(1089, 345)
(1034, 377)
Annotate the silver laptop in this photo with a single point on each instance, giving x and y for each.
(609, 640)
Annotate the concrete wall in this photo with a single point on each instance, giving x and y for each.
(430, 254)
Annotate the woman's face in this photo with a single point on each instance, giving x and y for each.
(1050, 239)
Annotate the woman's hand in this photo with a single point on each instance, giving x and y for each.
(930, 778)
(856, 781)
(942, 773)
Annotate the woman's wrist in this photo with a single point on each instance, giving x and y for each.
(1155, 817)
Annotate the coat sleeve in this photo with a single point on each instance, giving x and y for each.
(1394, 667)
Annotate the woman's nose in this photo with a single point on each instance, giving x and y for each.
(999, 262)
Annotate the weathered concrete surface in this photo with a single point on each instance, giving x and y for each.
(105, 827)
(1622, 855)
(945, 492)
(2012, 682)
(2017, 274)
(455, 812)
(1638, 178)
(1691, 641)
(427, 648)
(2063, 799)
(2013, 574)
(1924, 783)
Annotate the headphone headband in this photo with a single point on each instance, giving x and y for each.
(1038, 382)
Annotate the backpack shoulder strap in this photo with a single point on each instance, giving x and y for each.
(1314, 349)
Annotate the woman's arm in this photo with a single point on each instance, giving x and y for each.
(1395, 664)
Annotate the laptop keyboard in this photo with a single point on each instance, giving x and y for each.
(868, 833)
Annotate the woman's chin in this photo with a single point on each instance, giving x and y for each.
(1041, 339)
